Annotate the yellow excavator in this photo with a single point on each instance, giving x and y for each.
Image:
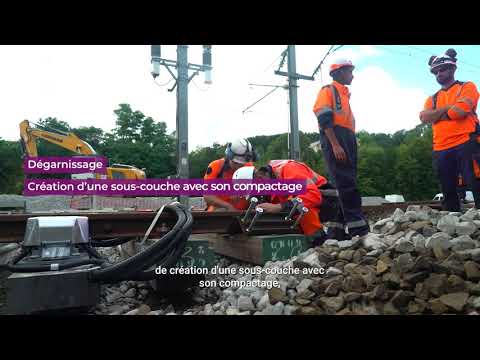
(70, 141)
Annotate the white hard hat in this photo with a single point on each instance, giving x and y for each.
(244, 173)
(339, 63)
(240, 151)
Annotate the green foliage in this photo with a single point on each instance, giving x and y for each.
(53, 124)
(372, 167)
(46, 148)
(11, 172)
(140, 141)
(201, 157)
(92, 135)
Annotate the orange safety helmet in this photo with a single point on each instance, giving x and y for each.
(339, 63)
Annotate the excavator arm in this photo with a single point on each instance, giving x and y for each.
(68, 141)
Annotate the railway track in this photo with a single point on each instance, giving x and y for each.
(104, 225)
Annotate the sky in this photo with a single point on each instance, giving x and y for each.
(83, 85)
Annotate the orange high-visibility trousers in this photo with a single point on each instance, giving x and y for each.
(310, 222)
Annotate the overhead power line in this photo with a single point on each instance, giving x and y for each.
(421, 59)
(282, 62)
(430, 53)
(263, 97)
(321, 62)
(164, 84)
(329, 52)
(273, 62)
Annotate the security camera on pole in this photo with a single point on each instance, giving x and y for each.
(181, 82)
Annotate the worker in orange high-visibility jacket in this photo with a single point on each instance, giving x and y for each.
(452, 113)
(339, 146)
(238, 153)
(312, 198)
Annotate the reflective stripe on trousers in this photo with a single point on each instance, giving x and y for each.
(355, 224)
(337, 225)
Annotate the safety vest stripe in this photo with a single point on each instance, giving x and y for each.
(339, 112)
(460, 89)
(278, 170)
(467, 101)
(336, 225)
(323, 110)
(330, 192)
(459, 111)
(357, 223)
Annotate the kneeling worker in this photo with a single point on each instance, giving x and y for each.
(238, 153)
(312, 198)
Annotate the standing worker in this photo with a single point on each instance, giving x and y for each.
(339, 146)
(451, 111)
(238, 153)
(311, 199)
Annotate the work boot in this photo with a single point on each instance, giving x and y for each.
(360, 233)
(337, 234)
(319, 238)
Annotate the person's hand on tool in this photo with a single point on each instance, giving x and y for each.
(271, 208)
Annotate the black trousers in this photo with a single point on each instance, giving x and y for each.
(449, 164)
(344, 177)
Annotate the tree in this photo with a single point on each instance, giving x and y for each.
(140, 141)
(45, 148)
(53, 124)
(128, 123)
(201, 157)
(92, 135)
(11, 172)
(372, 167)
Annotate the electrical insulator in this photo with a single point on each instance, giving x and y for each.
(156, 55)
(207, 62)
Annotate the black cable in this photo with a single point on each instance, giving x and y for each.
(19, 256)
(167, 257)
(157, 253)
(171, 259)
(92, 252)
(170, 255)
(182, 238)
(165, 252)
(110, 242)
(47, 267)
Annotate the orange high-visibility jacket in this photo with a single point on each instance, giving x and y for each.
(294, 170)
(219, 170)
(455, 128)
(312, 199)
(338, 105)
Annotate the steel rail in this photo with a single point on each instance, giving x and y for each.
(107, 225)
